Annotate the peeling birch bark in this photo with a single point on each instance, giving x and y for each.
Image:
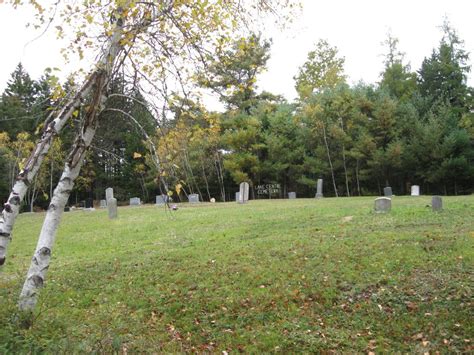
(40, 262)
(27, 175)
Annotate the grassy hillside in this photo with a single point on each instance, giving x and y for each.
(280, 275)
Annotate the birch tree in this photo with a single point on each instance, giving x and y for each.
(158, 44)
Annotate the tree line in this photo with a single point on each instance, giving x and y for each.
(412, 127)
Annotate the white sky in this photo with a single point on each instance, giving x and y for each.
(356, 27)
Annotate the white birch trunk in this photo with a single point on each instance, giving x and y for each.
(40, 262)
(12, 207)
(27, 175)
(41, 258)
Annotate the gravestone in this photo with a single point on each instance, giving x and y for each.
(112, 208)
(135, 201)
(193, 198)
(383, 205)
(89, 203)
(237, 194)
(212, 200)
(161, 199)
(415, 190)
(319, 188)
(437, 203)
(109, 193)
(103, 204)
(291, 195)
(387, 191)
(244, 192)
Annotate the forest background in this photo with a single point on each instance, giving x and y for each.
(411, 127)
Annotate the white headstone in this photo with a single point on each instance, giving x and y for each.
(319, 189)
(135, 201)
(415, 190)
(244, 192)
(387, 191)
(193, 198)
(212, 200)
(103, 204)
(291, 195)
(237, 195)
(109, 193)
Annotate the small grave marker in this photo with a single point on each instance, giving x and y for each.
(415, 190)
(161, 199)
(109, 193)
(437, 203)
(244, 192)
(387, 191)
(135, 201)
(319, 189)
(193, 198)
(383, 205)
(112, 208)
(291, 195)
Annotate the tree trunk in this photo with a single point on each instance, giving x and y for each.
(357, 177)
(205, 180)
(345, 170)
(329, 159)
(40, 261)
(52, 128)
(220, 176)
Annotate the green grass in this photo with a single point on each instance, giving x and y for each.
(280, 275)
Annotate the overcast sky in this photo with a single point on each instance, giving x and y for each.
(357, 28)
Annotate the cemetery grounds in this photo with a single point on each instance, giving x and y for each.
(300, 275)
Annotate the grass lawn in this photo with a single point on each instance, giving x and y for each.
(299, 275)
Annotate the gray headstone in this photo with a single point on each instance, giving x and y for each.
(193, 198)
(135, 201)
(291, 195)
(109, 193)
(112, 208)
(161, 199)
(437, 203)
(103, 204)
(387, 191)
(319, 188)
(415, 190)
(244, 192)
(237, 195)
(383, 204)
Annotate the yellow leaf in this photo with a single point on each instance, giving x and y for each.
(136, 155)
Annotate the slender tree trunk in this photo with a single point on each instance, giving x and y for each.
(220, 176)
(40, 261)
(51, 181)
(345, 170)
(357, 177)
(32, 199)
(329, 159)
(205, 180)
(193, 179)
